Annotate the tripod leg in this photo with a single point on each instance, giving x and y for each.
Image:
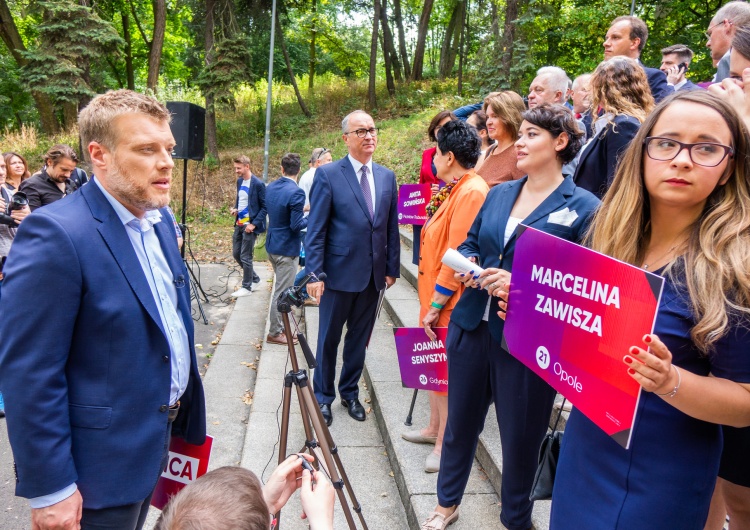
(328, 456)
(286, 402)
(411, 408)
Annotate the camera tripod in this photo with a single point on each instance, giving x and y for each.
(312, 419)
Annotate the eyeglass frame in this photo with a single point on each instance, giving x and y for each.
(365, 131)
(709, 31)
(320, 155)
(727, 150)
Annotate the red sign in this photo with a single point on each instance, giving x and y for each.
(186, 463)
(572, 317)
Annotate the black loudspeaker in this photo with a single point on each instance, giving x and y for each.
(188, 128)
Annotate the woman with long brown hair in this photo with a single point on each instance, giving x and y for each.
(679, 207)
(498, 163)
(17, 170)
(620, 101)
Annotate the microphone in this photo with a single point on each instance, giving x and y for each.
(312, 278)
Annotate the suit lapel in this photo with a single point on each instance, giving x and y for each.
(379, 180)
(348, 171)
(553, 202)
(113, 232)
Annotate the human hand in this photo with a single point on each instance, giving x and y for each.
(492, 278)
(65, 515)
(435, 188)
(502, 292)
(249, 228)
(284, 481)
(674, 74)
(736, 93)
(20, 215)
(317, 503)
(315, 289)
(467, 278)
(389, 281)
(652, 368)
(233, 211)
(429, 320)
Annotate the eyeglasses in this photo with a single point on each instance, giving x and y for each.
(320, 155)
(710, 29)
(704, 154)
(361, 133)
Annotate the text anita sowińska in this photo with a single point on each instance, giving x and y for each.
(579, 286)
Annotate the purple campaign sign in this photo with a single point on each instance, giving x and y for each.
(422, 361)
(412, 203)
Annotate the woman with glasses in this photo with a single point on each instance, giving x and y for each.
(620, 101)
(678, 207)
(18, 170)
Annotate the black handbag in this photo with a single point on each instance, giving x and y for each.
(549, 452)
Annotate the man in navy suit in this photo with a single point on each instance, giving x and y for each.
(285, 202)
(250, 220)
(97, 356)
(352, 236)
(675, 61)
(627, 36)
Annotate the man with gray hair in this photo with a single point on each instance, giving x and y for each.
(720, 33)
(549, 86)
(581, 96)
(352, 236)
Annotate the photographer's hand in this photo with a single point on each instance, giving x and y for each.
(317, 502)
(20, 215)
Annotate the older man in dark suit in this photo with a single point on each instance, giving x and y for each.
(352, 236)
(627, 36)
(98, 360)
(285, 202)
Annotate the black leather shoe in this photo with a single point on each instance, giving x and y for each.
(325, 410)
(355, 408)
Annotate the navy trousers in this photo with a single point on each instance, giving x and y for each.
(357, 311)
(479, 372)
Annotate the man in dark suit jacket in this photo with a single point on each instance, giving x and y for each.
(675, 61)
(285, 202)
(97, 360)
(250, 220)
(627, 36)
(352, 236)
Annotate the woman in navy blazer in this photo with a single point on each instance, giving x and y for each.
(479, 371)
(620, 92)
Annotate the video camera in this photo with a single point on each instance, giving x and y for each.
(293, 295)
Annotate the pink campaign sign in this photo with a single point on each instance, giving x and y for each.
(422, 361)
(572, 317)
(412, 203)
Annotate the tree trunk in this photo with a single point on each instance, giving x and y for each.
(129, 70)
(386, 55)
(495, 27)
(462, 48)
(313, 35)
(401, 38)
(157, 43)
(449, 49)
(280, 33)
(509, 35)
(12, 39)
(389, 45)
(213, 147)
(424, 24)
(70, 115)
(374, 55)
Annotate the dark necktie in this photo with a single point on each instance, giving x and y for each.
(365, 184)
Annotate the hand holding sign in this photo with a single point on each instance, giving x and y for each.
(652, 368)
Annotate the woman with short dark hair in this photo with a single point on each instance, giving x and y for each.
(479, 370)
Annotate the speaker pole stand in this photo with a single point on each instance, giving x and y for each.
(194, 283)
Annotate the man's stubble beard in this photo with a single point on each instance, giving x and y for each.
(127, 190)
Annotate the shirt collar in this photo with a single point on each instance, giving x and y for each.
(126, 216)
(357, 165)
(290, 178)
(680, 85)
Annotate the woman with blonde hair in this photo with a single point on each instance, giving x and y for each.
(498, 163)
(679, 207)
(620, 101)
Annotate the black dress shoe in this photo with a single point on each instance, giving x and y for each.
(325, 410)
(355, 408)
